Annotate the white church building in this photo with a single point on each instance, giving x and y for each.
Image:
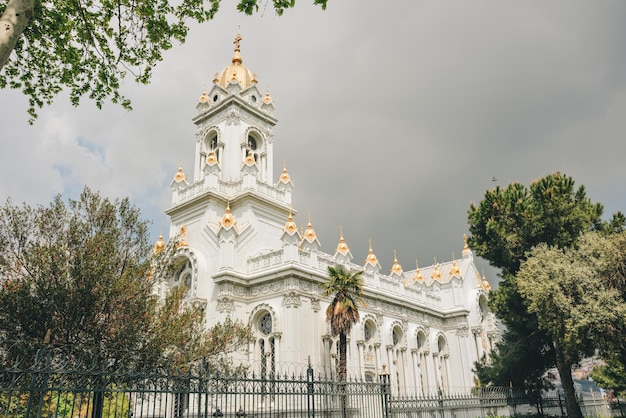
(247, 259)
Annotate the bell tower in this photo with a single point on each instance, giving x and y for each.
(234, 120)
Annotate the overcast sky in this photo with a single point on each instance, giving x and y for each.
(393, 115)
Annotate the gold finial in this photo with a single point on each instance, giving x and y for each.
(371, 257)
(228, 219)
(254, 80)
(159, 245)
(284, 176)
(342, 247)
(290, 226)
(204, 98)
(216, 78)
(486, 284)
(180, 175)
(418, 277)
(396, 268)
(250, 158)
(182, 242)
(309, 233)
(267, 99)
(238, 39)
(237, 56)
(436, 273)
(454, 270)
(466, 248)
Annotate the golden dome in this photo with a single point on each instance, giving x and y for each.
(418, 277)
(180, 176)
(236, 72)
(159, 245)
(228, 219)
(342, 247)
(290, 226)
(396, 268)
(371, 257)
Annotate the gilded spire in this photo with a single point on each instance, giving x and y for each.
(182, 242)
(284, 176)
(436, 273)
(371, 257)
(396, 268)
(342, 247)
(454, 270)
(267, 99)
(418, 277)
(237, 56)
(466, 248)
(250, 158)
(290, 227)
(180, 175)
(228, 219)
(159, 245)
(486, 284)
(309, 233)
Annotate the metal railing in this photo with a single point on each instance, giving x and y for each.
(63, 389)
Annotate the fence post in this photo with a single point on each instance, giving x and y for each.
(310, 400)
(385, 392)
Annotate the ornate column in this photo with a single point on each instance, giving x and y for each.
(360, 345)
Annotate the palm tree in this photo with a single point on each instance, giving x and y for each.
(347, 289)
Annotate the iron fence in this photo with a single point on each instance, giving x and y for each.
(63, 389)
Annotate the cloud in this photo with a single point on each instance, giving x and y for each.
(392, 117)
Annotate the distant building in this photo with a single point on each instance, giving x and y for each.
(247, 258)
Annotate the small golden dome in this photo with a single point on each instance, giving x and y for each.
(371, 257)
(236, 72)
(290, 226)
(342, 247)
(267, 99)
(228, 219)
(396, 268)
(204, 98)
(418, 277)
(180, 175)
(436, 273)
(159, 245)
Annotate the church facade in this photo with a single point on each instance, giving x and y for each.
(246, 258)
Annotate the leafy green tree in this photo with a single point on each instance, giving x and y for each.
(571, 291)
(611, 376)
(505, 226)
(346, 288)
(79, 277)
(89, 47)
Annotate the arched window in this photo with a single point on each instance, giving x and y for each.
(265, 350)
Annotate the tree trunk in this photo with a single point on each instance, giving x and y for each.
(343, 365)
(14, 20)
(565, 371)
